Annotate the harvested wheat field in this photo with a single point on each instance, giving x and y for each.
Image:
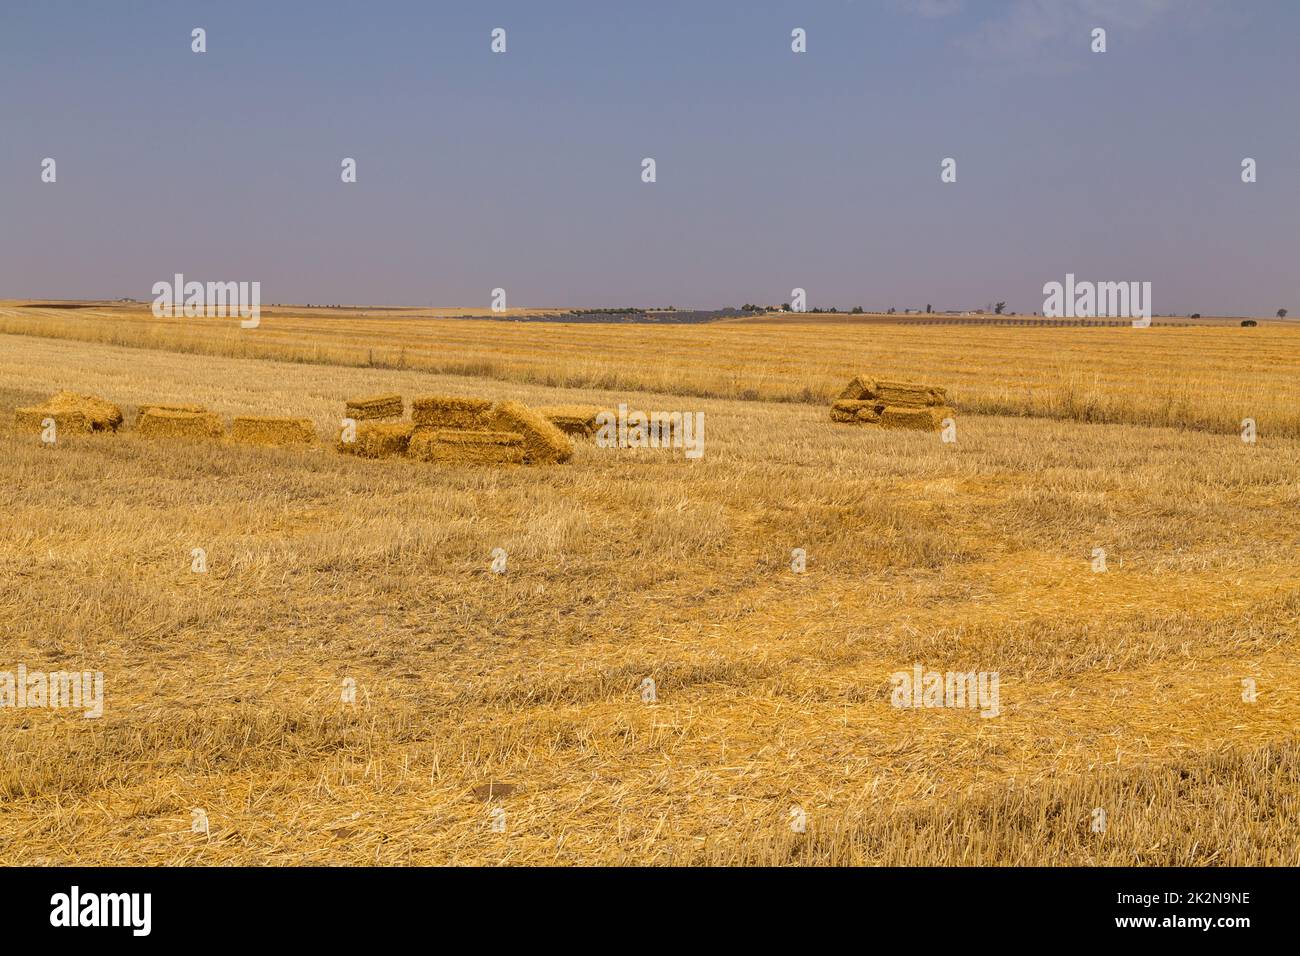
(1204, 376)
(383, 658)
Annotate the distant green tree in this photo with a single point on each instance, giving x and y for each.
(1281, 313)
(997, 309)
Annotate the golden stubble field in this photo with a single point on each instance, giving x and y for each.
(1120, 690)
(1207, 377)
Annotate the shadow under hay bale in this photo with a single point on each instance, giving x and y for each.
(71, 412)
(378, 440)
(447, 446)
(375, 407)
(156, 423)
(574, 420)
(263, 430)
(447, 411)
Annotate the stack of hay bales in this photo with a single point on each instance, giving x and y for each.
(71, 412)
(576, 420)
(261, 430)
(866, 401)
(375, 408)
(450, 430)
(157, 421)
(377, 434)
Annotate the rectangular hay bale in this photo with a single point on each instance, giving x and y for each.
(543, 442)
(166, 424)
(33, 420)
(375, 407)
(449, 411)
(911, 393)
(925, 418)
(447, 446)
(378, 440)
(264, 430)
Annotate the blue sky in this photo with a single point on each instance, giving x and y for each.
(775, 169)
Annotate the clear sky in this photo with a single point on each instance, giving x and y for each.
(774, 169)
